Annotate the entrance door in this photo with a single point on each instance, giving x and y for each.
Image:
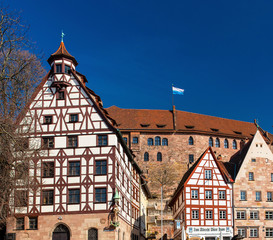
(61, 232)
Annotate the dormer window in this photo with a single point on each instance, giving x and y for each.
(58, 68)
(67, 69)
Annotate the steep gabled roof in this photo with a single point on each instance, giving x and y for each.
(190, 171)
(162, 120)
(62, 52)
(237, 159)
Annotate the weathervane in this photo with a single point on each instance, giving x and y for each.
(62, 36)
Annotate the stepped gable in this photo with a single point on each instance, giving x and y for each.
(186, 122)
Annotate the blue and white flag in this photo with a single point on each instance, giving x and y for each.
(178, 91)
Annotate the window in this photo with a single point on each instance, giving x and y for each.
(240, 215)
(58, 68)
(21, 198)
(48, 169)
(191, 158)
(254, 215)
(243, 195)
(222, 194)
(48, 142)
(242, 232)
(66, 69)
(60, 95)
(74, 168)
(159, 157)
(207, 174)
(253, 160)
(226, 143)
(222, 214)
(271, 177)
(20, 223)
(269, 215)
(217, 142)
(74, 196)
(48, 119)
(164, 142)
(157, 141)
(33, 223)
(234, 144)
(269, 196)
(195, 214)
(47, 197)
(101, 167)
(74, 117)
(210, 142)
(258, 196)
(208, 194)
(191, 140)
(269, 232)
(93, 234)
(100, 195)
(253, 232)
(135, 140)
(194, 194)
(125, 139)
(150, 141)
(251, 176)
(208, 214)
(102, 140)
(72, 141)
(146, 157)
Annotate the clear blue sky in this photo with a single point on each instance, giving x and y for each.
(220, 52)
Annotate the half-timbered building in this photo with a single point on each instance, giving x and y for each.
(253, 190)
(202, 203)
(85, 183)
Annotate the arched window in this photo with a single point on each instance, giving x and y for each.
(234, 144)
(165, 142)
(61, 232)
(157, 141)
(159, 157)
(217, 142)
(93, 234)
(146, 157)
(210, 142)
(226, 143)
(150, 141)
(191, 140)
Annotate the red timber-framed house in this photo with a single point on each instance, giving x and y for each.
(86, 181)
(202, 203)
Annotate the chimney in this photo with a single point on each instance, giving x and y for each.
(174, 117)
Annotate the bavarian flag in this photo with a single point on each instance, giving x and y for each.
(178, 90)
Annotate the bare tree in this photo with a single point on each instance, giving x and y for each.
(163, 174)
(20, 72)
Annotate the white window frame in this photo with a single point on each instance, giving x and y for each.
(254, 232)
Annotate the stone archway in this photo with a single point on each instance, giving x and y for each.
(61, 232)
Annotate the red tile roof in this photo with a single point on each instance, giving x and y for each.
(153, 120)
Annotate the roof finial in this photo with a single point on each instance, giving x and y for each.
(62, 36)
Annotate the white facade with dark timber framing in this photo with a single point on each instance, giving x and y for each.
(203, 201)
(81, 164)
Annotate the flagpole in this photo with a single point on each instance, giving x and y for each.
(172, 97)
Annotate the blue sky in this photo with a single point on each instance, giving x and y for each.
(220, 52)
